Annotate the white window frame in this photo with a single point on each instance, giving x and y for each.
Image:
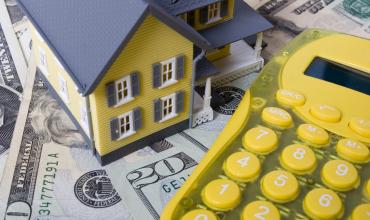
(131, 130)
(129, 90)
(165, 71)
(214, 12)
(43, 61)
(167, 106)
(63, 88)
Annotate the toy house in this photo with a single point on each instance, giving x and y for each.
(125, 70)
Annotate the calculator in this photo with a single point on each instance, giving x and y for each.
(297, 147)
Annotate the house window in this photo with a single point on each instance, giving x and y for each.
(168, 107)
(43, 61)
(125, 125)
(63, 89)
(123, 90)
(168, 72)
(214, 12)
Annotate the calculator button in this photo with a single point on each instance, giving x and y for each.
(361, 212)
(298, 159)
(339, 175)
(260, 140)
(199, 214)
(260, 210)
(313, 134)
(325, 113)
(242, 166)
(221, 194)
(353, 151)
(361, 126)
(322, 204)
(277, 116)
(290, 98)
(280, 186)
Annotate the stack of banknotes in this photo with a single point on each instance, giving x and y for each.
(47, 173)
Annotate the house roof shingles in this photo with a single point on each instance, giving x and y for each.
(88, 35)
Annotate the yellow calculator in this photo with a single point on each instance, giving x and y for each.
(298, 145)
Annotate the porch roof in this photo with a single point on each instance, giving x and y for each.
(246, 22)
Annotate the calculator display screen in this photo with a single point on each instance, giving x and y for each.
(339, 74)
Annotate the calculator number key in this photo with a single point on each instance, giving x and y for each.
(221, 194)
(298, 159)
(322, 203)
(260, 210)
(242, 166)
(339, 175)
(260, 140)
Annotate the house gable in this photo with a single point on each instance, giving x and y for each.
(152, 43)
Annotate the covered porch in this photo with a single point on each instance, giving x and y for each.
(243, 58)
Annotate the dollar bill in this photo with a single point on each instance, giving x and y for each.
(291, 17)
(50, 173)
(21, 27)
(13, 75)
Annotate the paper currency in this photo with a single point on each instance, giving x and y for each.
(50, 173)
(149, 184)
(20, 26)
(290, 17)
(13, 71)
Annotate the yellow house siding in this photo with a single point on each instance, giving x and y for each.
(200, 26)
(54, 71)
(153, 42)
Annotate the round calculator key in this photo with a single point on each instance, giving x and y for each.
(322, 204)
(361, 126)
(326, 113)
(199, 214)
(290, 98)
(221, 194)
(298, 159)
(280, 186)
(361, 212)
(353, 151)
(313, 134)
(277, 116)
(242, 166)
(260, 210)
(260, 140)
(339, 175)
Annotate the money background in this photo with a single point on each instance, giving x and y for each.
(78, 173)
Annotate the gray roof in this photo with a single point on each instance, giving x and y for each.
(88, 35)
(177, 7)
(246, 22)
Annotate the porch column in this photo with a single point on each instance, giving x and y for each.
(207, 95)
(258, 45)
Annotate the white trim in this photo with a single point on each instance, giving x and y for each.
(214, 7)
(43, 61)
(63, 88)
(131, 130)
(58, 63)
(169, 70)
(123, 81)
(168, 104)
(84, 117)
(38, 35)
